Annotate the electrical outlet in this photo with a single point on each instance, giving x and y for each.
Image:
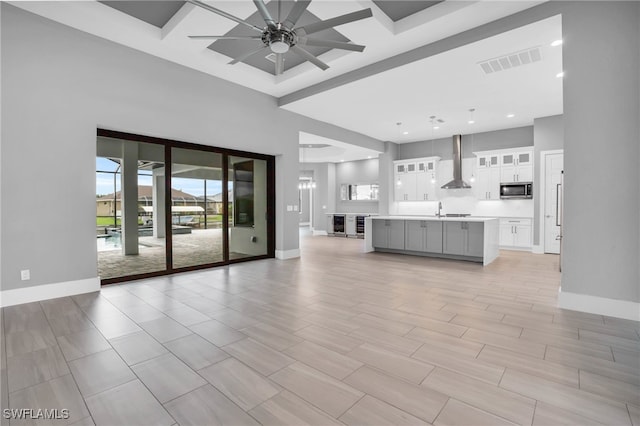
(25, 274)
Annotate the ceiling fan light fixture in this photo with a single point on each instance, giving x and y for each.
(279, 46)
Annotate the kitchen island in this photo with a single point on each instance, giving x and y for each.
(475, 239)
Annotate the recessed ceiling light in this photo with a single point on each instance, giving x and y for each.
(368, 156)
(405, 133)
(436, 127)
(470, 121)
(560, 74)
(510, 115)
(342, 161)
(556, 43)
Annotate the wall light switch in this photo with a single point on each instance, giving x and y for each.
(295, 208)
(289, 208)
(25, 274)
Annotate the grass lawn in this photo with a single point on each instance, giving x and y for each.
(105, 221)
(108, 220)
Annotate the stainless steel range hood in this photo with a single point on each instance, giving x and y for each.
(457, 182)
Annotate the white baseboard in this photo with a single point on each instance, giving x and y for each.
(319, 232)
(512, 248)
(599, 305)
(537, 249)
(287, 254)
(48, 291)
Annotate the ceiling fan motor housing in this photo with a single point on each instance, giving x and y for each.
(279, 40)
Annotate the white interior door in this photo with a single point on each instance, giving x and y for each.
(554, 163)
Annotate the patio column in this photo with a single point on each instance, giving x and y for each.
(129, 197)
(158, 203)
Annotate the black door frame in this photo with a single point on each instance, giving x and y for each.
(168, 145)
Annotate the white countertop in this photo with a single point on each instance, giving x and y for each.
(435, 218)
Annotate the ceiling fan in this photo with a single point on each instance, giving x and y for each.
(282, 36)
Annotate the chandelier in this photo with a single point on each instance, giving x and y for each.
(306, 184)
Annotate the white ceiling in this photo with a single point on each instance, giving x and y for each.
(445, 85)
(318, 149)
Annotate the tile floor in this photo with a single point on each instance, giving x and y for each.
(336, 337)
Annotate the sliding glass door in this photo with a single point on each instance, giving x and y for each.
(196, 207)
(129, 242)
(165, 206)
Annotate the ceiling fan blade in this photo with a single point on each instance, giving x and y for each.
(246, 55)
(332, 44)
(279, 63)
(223, 13)
(309, 57)
(334, 22)
(262, 8)
(298, 9)
(212, 37)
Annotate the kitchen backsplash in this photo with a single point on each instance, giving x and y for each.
(459, 202)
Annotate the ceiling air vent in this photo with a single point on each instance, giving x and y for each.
(516, 59)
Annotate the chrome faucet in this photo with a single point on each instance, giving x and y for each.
(439, 209)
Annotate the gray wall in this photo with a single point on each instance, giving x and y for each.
(602, 144)
(356, 172)
(485, 141)
(60, 84)
(548, 134)
(385, 171)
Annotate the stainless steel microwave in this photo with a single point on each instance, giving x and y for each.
(516, 190)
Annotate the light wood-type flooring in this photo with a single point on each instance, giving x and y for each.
(335, 337)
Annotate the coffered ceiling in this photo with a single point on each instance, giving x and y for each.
(446, 85)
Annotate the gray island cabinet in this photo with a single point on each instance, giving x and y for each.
(471, 238)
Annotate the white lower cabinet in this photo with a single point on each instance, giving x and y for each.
(463, 238)
(515, 233)
(388, 234)
(423, 235)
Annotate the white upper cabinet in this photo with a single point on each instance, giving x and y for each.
(516, 166)
(405, 187)
(487, 160)
(501, 166)
(415, 179)
(487, 185)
